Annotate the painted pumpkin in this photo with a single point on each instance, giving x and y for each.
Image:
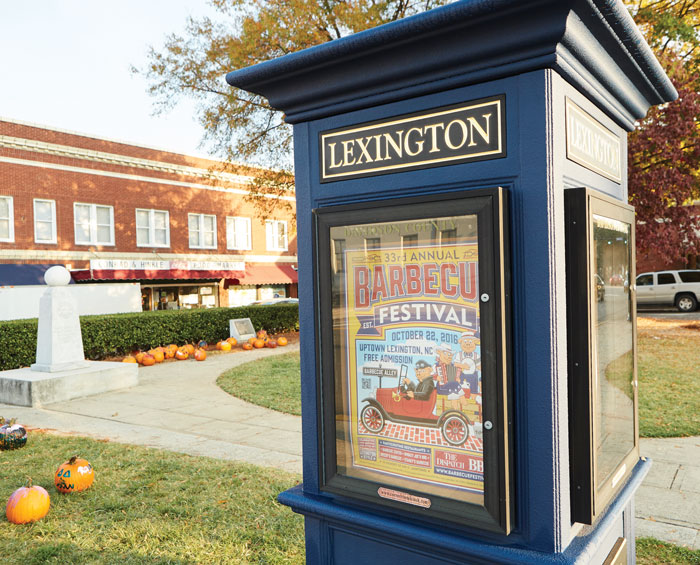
(282, 341)
(169, 353)
(181, 354)
(247, 346)
(74, 475)
(225, 346)
(202, 344)
(189, 348)
(232, 340)
(200, 354)
(12, 436)
(258, 343)
(28, 504)
(262, 334)
(129, 359)
(148, 360)
(271, 343)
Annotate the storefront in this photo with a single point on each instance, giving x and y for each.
(177, 285)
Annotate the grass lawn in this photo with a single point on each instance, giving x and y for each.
(273, 382)
(669, 378)
(149, 507)
(651, 551)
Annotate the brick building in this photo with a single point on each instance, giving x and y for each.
(110, 211)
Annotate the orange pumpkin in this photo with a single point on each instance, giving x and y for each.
(252, 340)
(172, 346)
(258, 343)
(189, 348)
(158, 354)
(181, 354)
(74, 475)
(247, 346)
(271, 343)
(282, 341)
(28, 504)
(225, 346)
(139, 356)
(200, 354)
(129, 359)
(232, 340)
(262, 334)
(148, 360)
(169, 353)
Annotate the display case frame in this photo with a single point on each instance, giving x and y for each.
(602, 404)
(489, 206)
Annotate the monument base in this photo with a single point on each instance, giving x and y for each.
(59, 367)
(28, 387)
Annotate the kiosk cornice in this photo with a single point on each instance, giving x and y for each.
(593, 44)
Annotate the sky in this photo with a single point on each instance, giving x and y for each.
(66, 64)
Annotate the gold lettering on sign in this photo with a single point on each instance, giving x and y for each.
(442, 136)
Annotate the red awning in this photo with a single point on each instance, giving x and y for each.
(136, 275)
(268, 274)
(254, 274)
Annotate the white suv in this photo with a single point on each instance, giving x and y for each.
(669, 288)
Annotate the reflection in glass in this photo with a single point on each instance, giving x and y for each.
(614, 345)
(406, 333)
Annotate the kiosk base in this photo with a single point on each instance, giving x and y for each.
(341, 535)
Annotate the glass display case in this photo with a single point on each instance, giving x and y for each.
(413, 355)
(604, 442)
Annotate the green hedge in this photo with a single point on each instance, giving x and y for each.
(119, 334)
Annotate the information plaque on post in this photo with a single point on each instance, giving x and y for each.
(604, 436)
(414, 355)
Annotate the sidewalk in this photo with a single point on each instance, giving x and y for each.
(177, 406)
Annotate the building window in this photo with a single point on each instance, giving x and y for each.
(44, 221)
(276, 235)
(238, 233)
(448, 237)
(409, 240)
(202, 231)
(152, 228)
(372, 243)
(7, 219)
(94, 224)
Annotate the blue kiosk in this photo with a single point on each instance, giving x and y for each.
(466, 269)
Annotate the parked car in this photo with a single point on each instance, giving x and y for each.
(669, 288)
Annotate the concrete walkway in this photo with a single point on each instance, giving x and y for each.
(177, 406)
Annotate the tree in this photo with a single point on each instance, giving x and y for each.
(664, 150)
(664, 153)
(241, 126)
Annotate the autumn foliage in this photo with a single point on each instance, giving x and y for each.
(664, 153)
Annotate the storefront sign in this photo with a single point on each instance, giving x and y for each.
(473, 131)
(138, 265)
(592, 145)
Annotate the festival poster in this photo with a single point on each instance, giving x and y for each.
(414, 364)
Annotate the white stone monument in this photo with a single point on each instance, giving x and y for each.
(61, 371)
(59, 343)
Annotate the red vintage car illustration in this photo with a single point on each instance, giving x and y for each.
(392, 405)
